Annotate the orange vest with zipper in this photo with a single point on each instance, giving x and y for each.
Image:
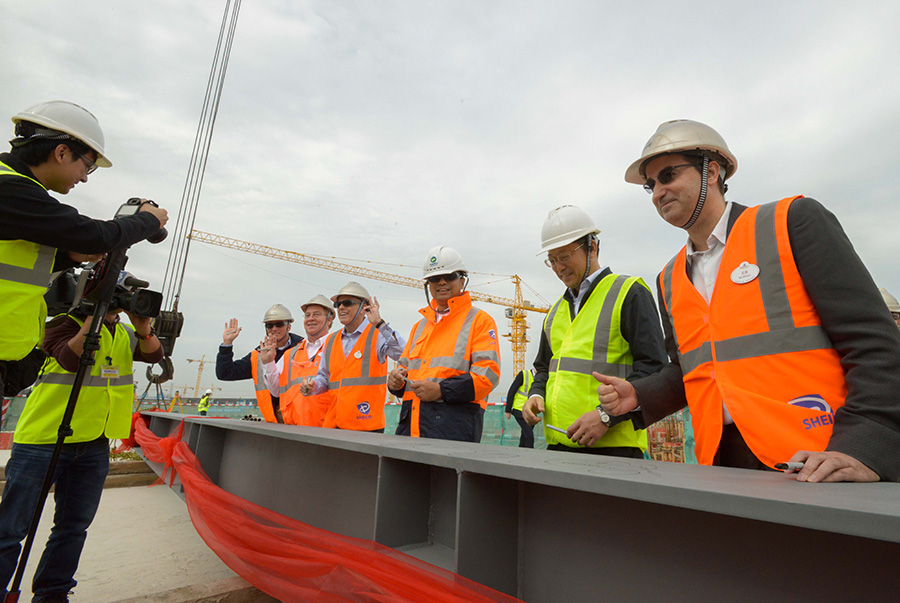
(758, 346)
(358, 382)
(296, 408)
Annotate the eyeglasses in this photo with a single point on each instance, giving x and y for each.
(442, 277)
(665, 176)
(275, 325)
(561, 259)
(895, 315)
(91, 166)
(347, 303)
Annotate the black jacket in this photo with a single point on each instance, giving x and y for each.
(28, 212)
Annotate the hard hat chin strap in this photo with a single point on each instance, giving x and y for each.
(704, 185)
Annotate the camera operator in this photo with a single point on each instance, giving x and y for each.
(57, 145)
(102, 412)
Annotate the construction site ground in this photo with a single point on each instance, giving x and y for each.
(143, 548)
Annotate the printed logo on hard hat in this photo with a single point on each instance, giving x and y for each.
(432, 260)
(815, 402)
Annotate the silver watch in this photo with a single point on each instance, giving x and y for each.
(604, 416)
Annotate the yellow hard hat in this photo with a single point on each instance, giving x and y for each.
(682, 136)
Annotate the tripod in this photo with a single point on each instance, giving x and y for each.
(102, 295)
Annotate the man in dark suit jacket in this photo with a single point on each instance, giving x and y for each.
(684, 166)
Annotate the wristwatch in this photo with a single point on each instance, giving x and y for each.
(604, 416)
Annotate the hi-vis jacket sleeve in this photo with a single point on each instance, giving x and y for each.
(484, 355)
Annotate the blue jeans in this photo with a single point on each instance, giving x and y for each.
(79, 478)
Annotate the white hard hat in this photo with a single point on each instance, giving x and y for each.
(889, 300)
(318, 300)
(352, 289)
(209, 391)
(686, 137)
(278, 312)
(68, 118)
(564, 225)
(442, 260)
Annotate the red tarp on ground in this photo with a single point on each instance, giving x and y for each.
(291, 560)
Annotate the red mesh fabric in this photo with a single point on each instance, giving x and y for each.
(293, 561)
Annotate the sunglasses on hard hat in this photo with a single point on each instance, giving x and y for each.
(275, 325)
(665, 176)
(442, 277)
(347, 303)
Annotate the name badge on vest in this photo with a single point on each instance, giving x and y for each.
(109, 372)
(744, 273)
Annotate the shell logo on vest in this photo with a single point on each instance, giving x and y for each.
(815, 402)
(364, 408)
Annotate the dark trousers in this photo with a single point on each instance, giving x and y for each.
(79, 478)
(526, 439)
(620, 451)
(734, 452)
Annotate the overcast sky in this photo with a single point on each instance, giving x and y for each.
(375, 130)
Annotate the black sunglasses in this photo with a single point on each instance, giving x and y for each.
(275, 325)
(665, 176)
(346, 303)
(443, 277)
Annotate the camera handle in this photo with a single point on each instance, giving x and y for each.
(105, 291)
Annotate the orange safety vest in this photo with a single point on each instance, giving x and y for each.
(263, 397)
(358, 382)
(296, 408)
(758, 346)
(464, 341)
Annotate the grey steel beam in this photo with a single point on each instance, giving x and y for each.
(549, 526)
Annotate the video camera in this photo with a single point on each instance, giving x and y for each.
(72, 292)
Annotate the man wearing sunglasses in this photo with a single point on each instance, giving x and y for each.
(779, 341)
(57, 145)
(603, 322)
(277, 321)
(355, 358)
(451, 361)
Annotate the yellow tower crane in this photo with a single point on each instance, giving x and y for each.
(202, 362)
(515, 308)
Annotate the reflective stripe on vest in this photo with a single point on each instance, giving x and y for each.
(296, 408)
(359, 397)
(755, 334)
(457, 344)
(522, 393)
(591, 342)
(25, 271)
(103, 406)
(263, 397)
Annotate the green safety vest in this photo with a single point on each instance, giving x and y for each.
(591, 342)
(204, 403)
(522, 392)
(104, 404)
(25, 270)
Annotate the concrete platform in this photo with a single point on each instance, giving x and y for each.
(143, 547)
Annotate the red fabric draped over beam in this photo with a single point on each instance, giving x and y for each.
(291, 560)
